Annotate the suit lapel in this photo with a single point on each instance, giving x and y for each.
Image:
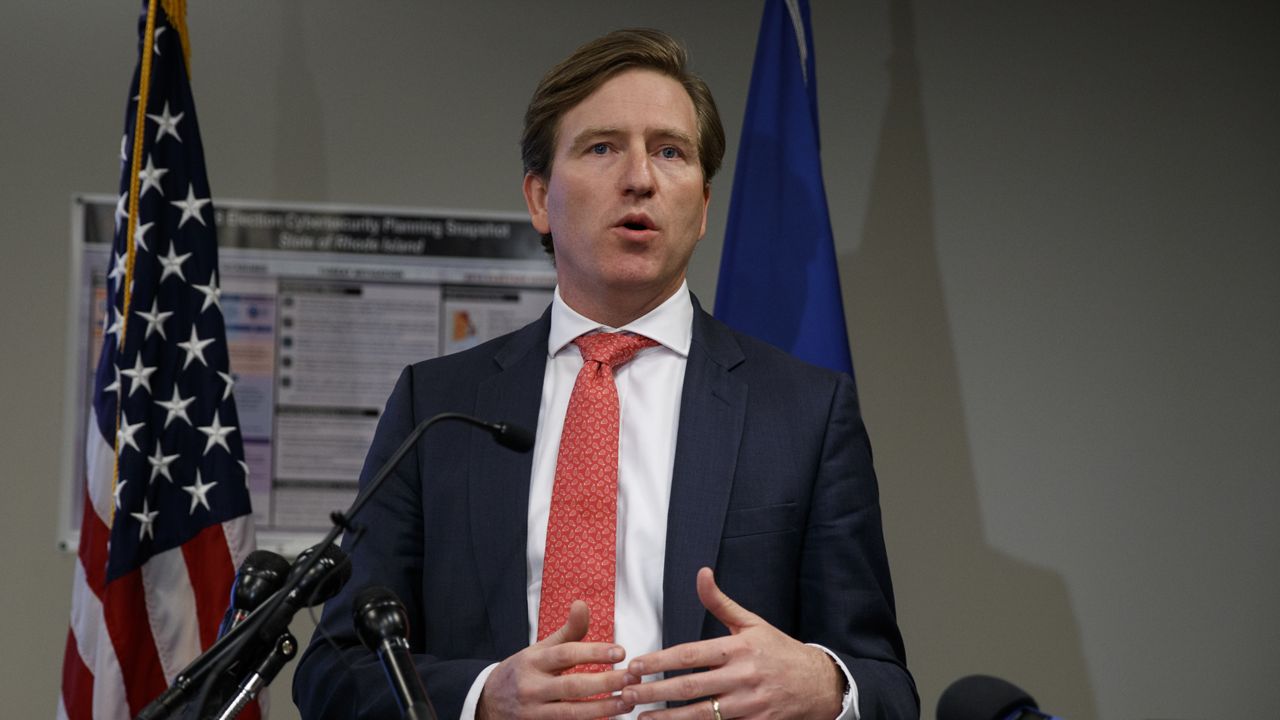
(499, 487)
(712, 410)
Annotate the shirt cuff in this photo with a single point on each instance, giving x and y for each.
(473, 695)
(848, 704)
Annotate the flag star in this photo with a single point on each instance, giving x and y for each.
(122, 208)
(217, 434)
(212, 293)
(140, 375)
(245, 467)
(117, 268)
(150, 177)
(116, 493)
(177, 407)
(195, 348)
(155, 319)
(140, 235)
(117, 328)
(160, 464)
(230, 381)
(168, 124)
(155, 39)
(124, 143)
(172, 264)
(199, 493)
(146, 517)
(114, 386)
(191, 206)
(125, 433)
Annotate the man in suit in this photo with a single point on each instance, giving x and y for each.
(725, 455)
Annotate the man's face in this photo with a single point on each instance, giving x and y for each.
(626, 201)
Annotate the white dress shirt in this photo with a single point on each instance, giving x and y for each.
(649, 391)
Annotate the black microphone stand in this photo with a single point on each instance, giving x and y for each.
(267, 622)
(282, 652)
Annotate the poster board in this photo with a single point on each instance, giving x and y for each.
(324, 306)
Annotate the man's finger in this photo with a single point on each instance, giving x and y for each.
(556, 658)
(724, 608)
(588, 709)
(574, 686)
(697, 710)
(574, 627)
(686, 656)
(684, 687)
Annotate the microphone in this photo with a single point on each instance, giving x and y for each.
(260, 576)
(313, 582)
(383, 626)
(512, 437)
(983, 697)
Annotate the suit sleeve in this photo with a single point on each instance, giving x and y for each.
(846, 594)
(337, 677)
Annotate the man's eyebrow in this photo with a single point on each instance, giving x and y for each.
(592, 133)
(677, 135)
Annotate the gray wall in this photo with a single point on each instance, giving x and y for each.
(1056, 225)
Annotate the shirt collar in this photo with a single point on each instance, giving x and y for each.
(670, 324)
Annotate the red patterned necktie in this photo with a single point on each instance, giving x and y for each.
(582, 530)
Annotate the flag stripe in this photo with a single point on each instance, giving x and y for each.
(95, 652)
(100, 462)
(94, 536)
(77, 682)
(238, 533)
(212, 570)
(169, 599)
(125, 610)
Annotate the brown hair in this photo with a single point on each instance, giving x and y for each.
(589, 67)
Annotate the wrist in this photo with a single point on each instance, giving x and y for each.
(833, 685)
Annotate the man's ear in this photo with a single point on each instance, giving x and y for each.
(706, 203)
(535, 197)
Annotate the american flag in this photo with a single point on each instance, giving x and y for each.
(166, 508)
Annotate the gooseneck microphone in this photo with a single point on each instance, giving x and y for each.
(259, 577)
(983, 697)
(383, 626)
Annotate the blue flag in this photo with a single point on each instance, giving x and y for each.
(778, 275)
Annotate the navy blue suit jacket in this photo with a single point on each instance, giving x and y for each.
(772, 487)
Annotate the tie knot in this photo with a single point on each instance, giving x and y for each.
(611, 349)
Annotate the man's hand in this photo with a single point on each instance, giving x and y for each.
(756, 672)
(528, 684)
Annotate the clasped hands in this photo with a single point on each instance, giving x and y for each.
(756, 671)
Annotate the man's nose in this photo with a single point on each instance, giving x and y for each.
(637, 174)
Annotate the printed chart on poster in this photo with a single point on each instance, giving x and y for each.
(324, 306)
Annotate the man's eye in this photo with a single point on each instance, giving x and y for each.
(599, 149)
(670, 153)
